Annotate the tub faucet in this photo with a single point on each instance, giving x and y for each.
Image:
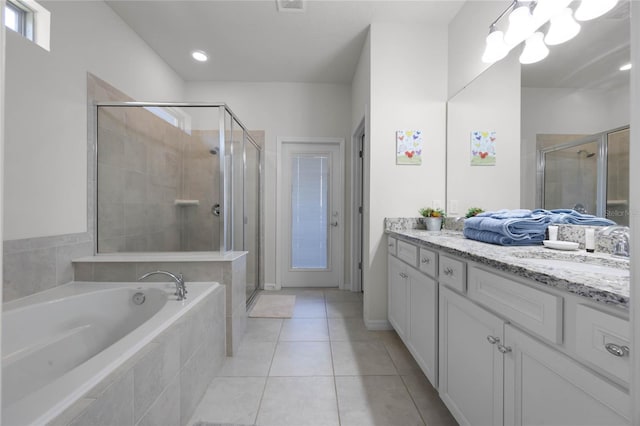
(181, 288)
(621, 241)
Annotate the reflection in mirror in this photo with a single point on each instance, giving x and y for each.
(575, 118)
(490, 103)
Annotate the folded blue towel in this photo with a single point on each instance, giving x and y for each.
(524, 227)
(495, 238)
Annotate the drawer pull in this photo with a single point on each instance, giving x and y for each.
(448, 271)
(617, 350)
(425, 260)
(391, 244)
(493, 340)
(504, 349)
(403, 275)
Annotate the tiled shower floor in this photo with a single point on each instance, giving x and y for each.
(321, 367)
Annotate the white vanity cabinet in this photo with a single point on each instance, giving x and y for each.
(413, 304)
(506, 350)
(397, 292)
(471, 367)
(545, 387)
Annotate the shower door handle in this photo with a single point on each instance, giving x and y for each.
(215, 210)
(334, 223)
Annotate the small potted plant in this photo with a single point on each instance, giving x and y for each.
(474, 211)
(432, 218)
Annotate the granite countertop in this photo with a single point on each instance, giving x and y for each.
(543, 265)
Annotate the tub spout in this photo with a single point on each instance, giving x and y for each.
(181, 288)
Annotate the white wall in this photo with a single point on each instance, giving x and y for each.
(281, 110)
(361, 86)
(565, 111)
(467, 34)
(490, 103)
(408, 92)
(46, 111)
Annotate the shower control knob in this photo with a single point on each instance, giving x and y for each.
(215, 210)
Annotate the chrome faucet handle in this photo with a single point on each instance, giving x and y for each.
(621, 247)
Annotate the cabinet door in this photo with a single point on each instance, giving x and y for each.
(397, 293)
(545, 387)
(471, 368)
(423, 323)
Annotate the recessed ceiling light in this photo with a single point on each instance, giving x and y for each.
(199, 56)
(625, 67)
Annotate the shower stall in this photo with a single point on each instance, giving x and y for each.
(589, 174)
(177, 177)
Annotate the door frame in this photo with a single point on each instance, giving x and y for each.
(357, 218)
(280, 141)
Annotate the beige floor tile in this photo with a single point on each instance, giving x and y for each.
(375, 400)
(401, 357)
(352, 329)
(299, 401)
(304, 293)
(262, 329)
(431, 407)
(344, 309)
(361, 359)
(304, 329)
(231, 400)
(335, 295)
(252, 359)
(302, 359)
(309, 308)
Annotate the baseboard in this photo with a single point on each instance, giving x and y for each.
(378, 325)
(271, 286)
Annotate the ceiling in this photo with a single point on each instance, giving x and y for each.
(591, 60)
(249, 40)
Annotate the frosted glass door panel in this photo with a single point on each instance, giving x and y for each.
(309, 211)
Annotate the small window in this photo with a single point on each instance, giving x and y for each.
(30, 19)
(15, 18)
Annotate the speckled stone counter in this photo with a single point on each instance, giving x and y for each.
(529, 262)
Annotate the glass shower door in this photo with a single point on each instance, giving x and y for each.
(571, 178)
(252, 217)
(618, 177)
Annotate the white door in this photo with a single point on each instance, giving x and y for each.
(311, 228)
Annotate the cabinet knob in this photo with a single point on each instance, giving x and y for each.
(403, 275)
(448, 271)
(493, 340)
(617, 350)
(425, 260)
(504, 349)
(390, 244)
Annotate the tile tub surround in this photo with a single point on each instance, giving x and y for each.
(228, 269)
(600, 287)
(164, 382)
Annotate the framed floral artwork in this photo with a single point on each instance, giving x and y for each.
(409, 147)
(483, 148)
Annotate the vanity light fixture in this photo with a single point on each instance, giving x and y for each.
(625, 67)
(591, 9)
(534, 49)
(199, 56)
(526, 18)
(496, 47)
(562, 28)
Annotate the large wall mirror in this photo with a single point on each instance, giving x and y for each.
(569, 118)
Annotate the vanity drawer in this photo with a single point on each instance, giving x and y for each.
(597, 330)
(452, 273)
(391, 246)
(428, 262)
(526, 306)
(408, 253)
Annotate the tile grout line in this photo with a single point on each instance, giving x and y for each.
(266, 379)
(413, 400)
(333, 369)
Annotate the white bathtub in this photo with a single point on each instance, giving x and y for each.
(58, 344)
